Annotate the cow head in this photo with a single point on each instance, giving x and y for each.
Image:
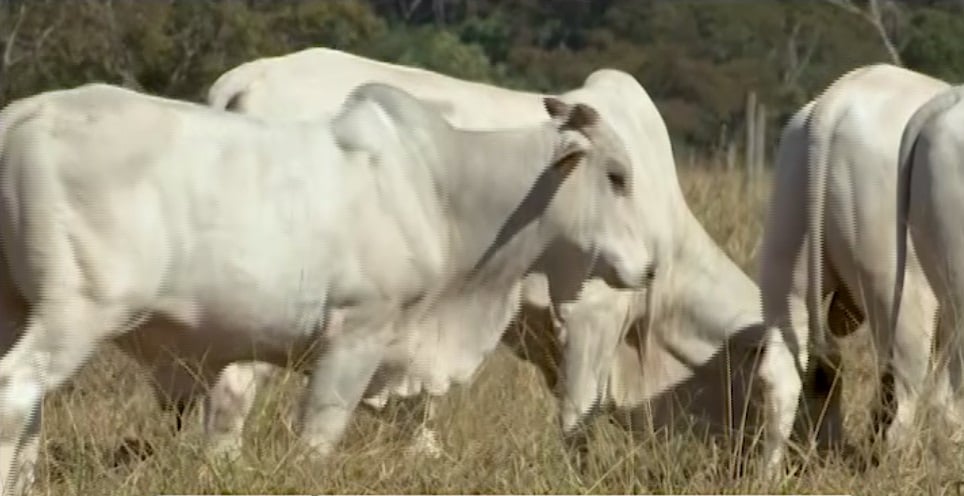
(595, 203)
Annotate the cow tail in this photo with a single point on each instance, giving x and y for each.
(818, 156)
(228, 92)
(905, 164)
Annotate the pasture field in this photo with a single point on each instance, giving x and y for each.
(499, 435)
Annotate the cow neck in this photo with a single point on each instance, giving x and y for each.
(710, 291)
(495, 224)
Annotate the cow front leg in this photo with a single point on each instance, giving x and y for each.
(229, 403)
(340, 377)
(60, 337)
(21, 392)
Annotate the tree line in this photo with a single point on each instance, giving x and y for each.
(698, 59)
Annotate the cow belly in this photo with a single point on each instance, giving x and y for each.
(221, 324)
(212, 345)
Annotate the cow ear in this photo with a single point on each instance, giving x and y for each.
(581, 118)
(555, 107)
(568, 162)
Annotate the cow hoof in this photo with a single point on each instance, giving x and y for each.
(774, 472)
(317, 450)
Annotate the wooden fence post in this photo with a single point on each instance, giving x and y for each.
(749, 150)
(761, 140)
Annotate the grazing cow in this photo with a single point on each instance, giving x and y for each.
(183, 232)
(830, 231)
(691, 333)
(930, 196)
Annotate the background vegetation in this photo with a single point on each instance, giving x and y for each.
(698, 58)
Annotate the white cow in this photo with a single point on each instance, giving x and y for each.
(183, 232)
(702, 316)
(830, 229)
(930, 198)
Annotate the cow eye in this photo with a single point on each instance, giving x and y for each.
(617, 181)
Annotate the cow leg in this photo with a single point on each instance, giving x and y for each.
(21, 392)
(844, 317)
(20, 420)
(58, 340)
(951, 368)
(903, 351)
(948, 371)
(950, 352)
(229, 403)
(341, 375)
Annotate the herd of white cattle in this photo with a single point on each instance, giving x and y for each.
(379, 228)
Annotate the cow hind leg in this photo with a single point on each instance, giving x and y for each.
(950, 334)
(903, 352)
(844, 317)
(59, 339)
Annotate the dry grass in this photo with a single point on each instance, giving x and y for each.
(500, 434)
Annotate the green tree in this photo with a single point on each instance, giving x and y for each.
(934, 45)
(436, 50)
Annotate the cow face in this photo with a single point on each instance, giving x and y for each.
(594, 205)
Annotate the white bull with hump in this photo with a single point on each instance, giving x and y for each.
(187, 234)
(700, 321)
(830, 230)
